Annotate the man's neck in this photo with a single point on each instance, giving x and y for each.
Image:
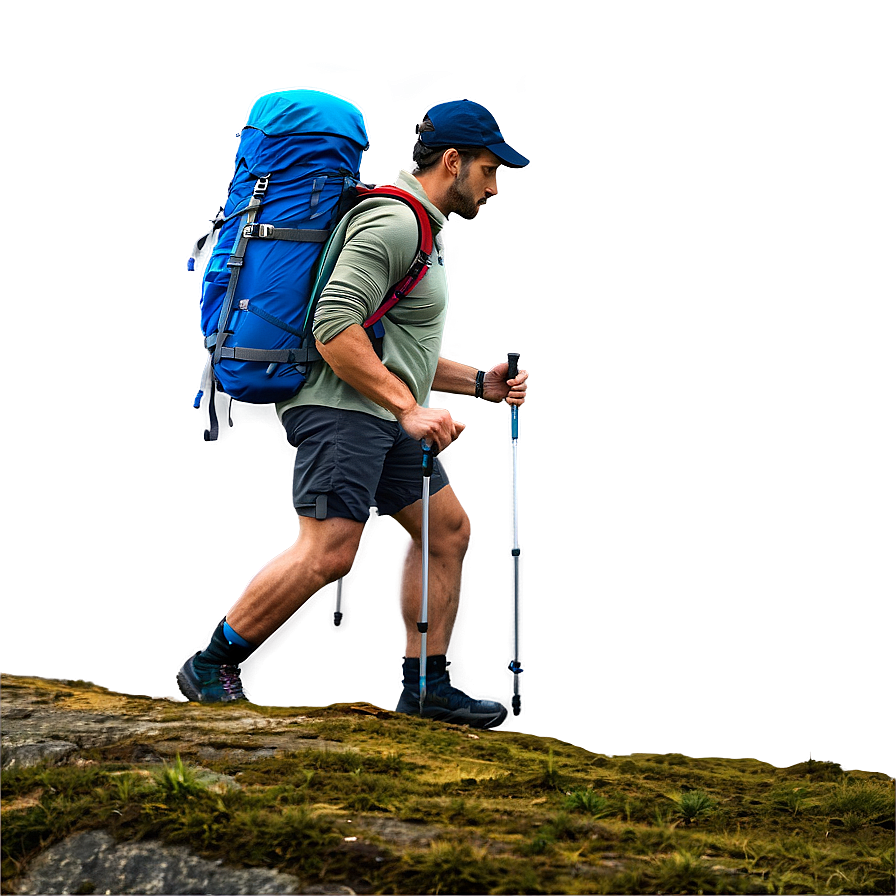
(435, 190)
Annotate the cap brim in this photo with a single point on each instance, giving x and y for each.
(509, 157)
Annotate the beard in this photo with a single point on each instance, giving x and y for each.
(461, 199)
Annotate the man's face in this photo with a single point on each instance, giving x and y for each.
(476, 182)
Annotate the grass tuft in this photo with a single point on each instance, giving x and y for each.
(588, 802)
(179, 782)
(449, 867)
(855, 804)
(694, 805)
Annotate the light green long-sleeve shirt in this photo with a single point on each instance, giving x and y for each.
(380, 245)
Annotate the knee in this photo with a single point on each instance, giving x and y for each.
(333, 564)
(463, 532)
(453, 535)
(329, 557)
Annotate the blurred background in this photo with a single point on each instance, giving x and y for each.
(696, 268)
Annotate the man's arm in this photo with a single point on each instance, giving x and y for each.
(353, 360)
(460, 379)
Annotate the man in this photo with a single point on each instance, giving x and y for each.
(359, 422)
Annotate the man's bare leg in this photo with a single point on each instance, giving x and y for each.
(449, 534)
(323, 553)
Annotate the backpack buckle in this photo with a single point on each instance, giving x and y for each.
(265, 231)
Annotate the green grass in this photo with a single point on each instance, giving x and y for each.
(491, 813)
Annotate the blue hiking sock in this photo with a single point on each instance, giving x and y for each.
(233, 637)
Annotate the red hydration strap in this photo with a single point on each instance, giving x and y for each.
(421, 262)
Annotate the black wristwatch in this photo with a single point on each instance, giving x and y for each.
(480, 382)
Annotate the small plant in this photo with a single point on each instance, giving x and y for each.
(589, 802)
(694, 805)
(179, 782)
(551, 778)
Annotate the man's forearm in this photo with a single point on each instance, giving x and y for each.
(353, 360)
(453, 377)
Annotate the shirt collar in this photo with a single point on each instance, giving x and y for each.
(406, 181)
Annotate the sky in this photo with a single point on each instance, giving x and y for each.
(696, 269)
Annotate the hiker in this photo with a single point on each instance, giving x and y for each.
(360, 421)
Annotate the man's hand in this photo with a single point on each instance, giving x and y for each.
(433, 425)
(496, 386)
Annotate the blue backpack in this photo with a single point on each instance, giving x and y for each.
(296, 175)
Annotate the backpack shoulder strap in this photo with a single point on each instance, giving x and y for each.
(421, 262)
(330, 255)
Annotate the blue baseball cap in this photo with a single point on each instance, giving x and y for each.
(465, 123)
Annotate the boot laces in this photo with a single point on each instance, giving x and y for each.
(229, 677)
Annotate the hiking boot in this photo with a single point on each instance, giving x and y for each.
(443, 702)
(210, 684)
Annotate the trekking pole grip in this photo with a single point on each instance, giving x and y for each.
(428, 455)
(512, 370)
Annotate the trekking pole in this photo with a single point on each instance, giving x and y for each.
(423, 624)
(337, 616)
(515, 667)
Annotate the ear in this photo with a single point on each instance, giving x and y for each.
(451, 162)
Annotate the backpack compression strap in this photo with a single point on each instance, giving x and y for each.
(249, 230)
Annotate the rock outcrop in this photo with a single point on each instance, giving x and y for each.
(110, 793)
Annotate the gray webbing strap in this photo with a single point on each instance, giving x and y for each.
(272, 355)
(235, 262)
(269, 232)
(316, 190)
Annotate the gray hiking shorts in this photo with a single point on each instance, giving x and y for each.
(348, 462)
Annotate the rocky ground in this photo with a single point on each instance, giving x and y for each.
(105, 792)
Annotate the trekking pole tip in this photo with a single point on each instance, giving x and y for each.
(516, 704)
(337, 618)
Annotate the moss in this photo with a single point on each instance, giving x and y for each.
(392, 804)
